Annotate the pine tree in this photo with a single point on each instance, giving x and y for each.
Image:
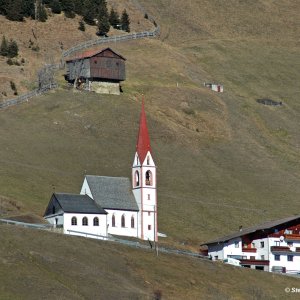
(103, 18)
(79, 7)
(4, 47)
(125, 22)
(114, 18)
(55, 7)
(13, 49)
(14, 10)
(67, 7)
(89, 13)
(81, 25)
(28, 8)
(103, 25)
(42, 13)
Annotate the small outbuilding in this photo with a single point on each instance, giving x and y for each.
(100, 71)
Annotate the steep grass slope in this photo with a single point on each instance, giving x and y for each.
(224, 160)
(50, 266)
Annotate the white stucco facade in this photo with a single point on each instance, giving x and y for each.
(273, 254)
(144, 190)
(92, 229)
(124, 223)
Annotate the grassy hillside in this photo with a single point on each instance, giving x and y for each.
(51, 266)
(223, 159)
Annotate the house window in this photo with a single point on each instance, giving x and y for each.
(53, 210)
(148, 161)
(148, 178)
(149, 213)
(85, 221)
(96, 221)
(236, 244)
(262, 257)
(290, 244)
(290, 257)
(262, 244)
(253, 245)
(148, 196)
(113, 221)
(216, 257)
(277, 243)
(132, 221)
(74, 221)
(123, 221)
(149, 227)
(277, 257)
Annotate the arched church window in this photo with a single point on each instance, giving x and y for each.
(148, 160)
(53, 209)
(123, 221)
(113, 221)
(137, 178)
(132, 221)
(74, 221)
(148, 178)
(96, 221)
(85, 221)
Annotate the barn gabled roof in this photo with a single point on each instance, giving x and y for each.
(261, 227)
(143, 141)
(91, 53)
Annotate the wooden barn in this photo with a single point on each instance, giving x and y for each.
(98, 71)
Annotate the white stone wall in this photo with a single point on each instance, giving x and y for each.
(90, 229)
(102, 87)
(146, 197)
(118, 229)
(283, 262)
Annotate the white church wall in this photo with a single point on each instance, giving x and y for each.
(127, 230)
(90, 228)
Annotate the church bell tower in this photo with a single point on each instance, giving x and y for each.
(144, 183)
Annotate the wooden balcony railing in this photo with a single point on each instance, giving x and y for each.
(251, 250)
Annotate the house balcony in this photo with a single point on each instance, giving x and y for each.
(292, 237)
(280, 249)
(249, 250)
(254, 262)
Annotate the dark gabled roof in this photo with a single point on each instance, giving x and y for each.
(112, 192)
(71, 203)
(91, 53)
(243, 232)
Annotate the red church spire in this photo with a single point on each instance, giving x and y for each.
(143, 142)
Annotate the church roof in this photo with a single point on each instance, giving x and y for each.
(112, 192)
(71, 203)
(143, 142)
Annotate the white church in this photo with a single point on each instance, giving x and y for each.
(112, 205)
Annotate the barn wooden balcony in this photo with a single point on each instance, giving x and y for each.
(255, 262)
(249, 250)
(280, 249)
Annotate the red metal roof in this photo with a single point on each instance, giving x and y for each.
(143, 142)
(91, 53)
